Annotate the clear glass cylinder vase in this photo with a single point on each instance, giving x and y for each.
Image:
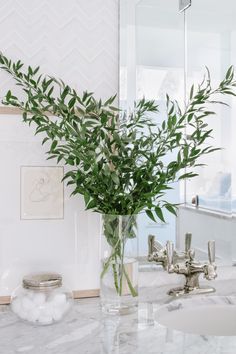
(119, 276)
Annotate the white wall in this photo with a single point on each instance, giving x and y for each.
(78, 42)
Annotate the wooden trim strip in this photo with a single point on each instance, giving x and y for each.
(5, 300)
(15, 111)
(10, 110)
(78, 294)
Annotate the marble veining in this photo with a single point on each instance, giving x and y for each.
(86, 330)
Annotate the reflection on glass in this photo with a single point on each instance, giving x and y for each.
(151, 65)
(211, 42)
(152, 51)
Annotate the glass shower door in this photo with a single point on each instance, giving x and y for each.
(211, 42)
(151, 65)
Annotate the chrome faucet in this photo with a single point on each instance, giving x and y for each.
(184, 263)
(158, 253)
(192, 269)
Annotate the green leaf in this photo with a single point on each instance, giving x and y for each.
(188, 175)
(53, 146)
(86, 198)
(159, 213)
(8, 95)
(229, 72)
(191, 92)
(71, 103)
(171, 209)
(91, 204)
(44, 140)
(150, 215)
(115, 178)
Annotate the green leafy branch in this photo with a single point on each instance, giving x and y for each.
(117, 162)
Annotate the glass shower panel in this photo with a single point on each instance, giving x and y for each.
(210, 42)
(151, 65)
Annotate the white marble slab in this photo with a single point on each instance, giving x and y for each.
(87, 331)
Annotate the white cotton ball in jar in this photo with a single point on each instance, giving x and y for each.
(42, 299)
(27, 303)
(23, 314)
(16, 305)
(39, 298)
(30, 294)
(60, 311)
(59, 299)
(33, 315)
(57, 314)
(47, 309)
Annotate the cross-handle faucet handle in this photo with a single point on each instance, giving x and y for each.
(210, 269)
(188, 241)
(211, 251)
(170, 255)
(151, 240)
(153, 245)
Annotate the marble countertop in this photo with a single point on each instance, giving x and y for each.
(87, 331)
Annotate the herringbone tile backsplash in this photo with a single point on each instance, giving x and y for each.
(75, 40)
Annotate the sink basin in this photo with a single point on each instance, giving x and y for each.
(210, 315)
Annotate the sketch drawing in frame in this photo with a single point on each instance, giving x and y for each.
(42, 192)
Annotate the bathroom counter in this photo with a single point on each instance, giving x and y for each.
(87, 331)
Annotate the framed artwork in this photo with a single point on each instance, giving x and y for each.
(42, 192)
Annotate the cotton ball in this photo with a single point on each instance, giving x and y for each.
(59, 311)
(16, 305)
(33, 315)
(31, 294)
(47, 309)
(27, 304)
(22, 314)
(39, 299)
(59, 299)
(57, 314)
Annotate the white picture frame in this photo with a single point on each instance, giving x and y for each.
(41, 192)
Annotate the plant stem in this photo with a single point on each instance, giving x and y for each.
(117, 231)
(131, 288)
(115, 277)
(121, 259)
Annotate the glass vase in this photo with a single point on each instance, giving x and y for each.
(119, 276)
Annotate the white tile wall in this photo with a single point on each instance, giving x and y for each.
(77, 41)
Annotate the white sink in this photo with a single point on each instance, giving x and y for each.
(210, 315)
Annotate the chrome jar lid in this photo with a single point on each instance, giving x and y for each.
(42, 281)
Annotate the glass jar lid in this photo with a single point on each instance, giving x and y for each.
(42, 281)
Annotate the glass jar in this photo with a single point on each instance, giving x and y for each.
(41, 299)
(119, 277)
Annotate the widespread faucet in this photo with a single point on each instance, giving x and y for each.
(158, 253)
(184, 263)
